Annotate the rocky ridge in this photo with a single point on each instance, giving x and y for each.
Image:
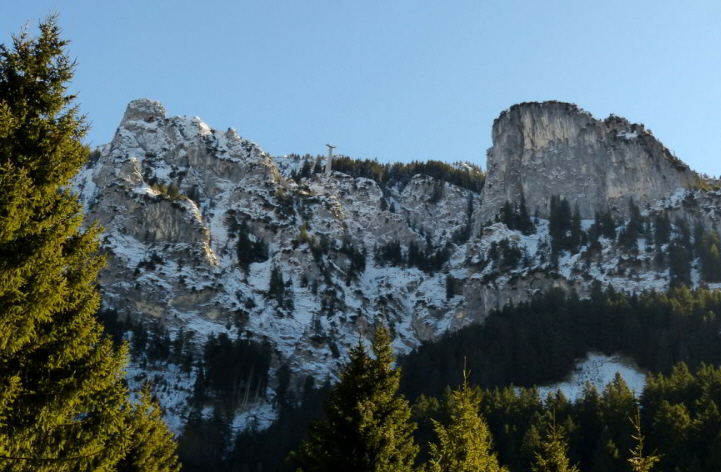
(181, 203)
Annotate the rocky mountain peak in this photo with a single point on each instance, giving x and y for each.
(143, 109)
(555, 148)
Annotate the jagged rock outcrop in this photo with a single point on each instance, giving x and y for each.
(174, 197)
(554, 148)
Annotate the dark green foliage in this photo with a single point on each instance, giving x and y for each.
(662, 229)
(564, 228)
(356, 258)
(506, 255)
(552, 452)
(63, 402)
(318, 167)
(577, 236)
(628, 237)
(204, 444)
(400, 174)
(113, 325)
(708, 252)
(516, 216)
(699, 231)
(605, 225)
(269, 449)
(320, 247)
(276, 286)
(429, 259)
(283, 396)
(154, 447)
(451, 286)
(367, 424)
(249, 249)
(182, 350)
(465, 444)
(236, 371)
(679, 265)
(680, 416)
(139, 340)
(389, 253)
(150, 263)
(437, 193)
(537, 342)
(280, 290)
(639, 460)
(463, 234)
(158, 348)
(680, 256)
(510, 255)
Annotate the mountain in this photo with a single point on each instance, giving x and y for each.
(265, 272)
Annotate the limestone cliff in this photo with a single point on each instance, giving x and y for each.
(554, 148)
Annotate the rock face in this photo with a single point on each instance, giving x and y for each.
(179, 202)
(553, 148)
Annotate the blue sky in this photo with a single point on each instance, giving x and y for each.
(400, 80)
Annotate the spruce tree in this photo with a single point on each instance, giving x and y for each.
(465, 444)
(63, 405)
(525, 225)
(367, 425)
(552, 455)
(152, 446)
(640, 462)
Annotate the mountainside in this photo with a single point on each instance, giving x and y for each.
(206, 234)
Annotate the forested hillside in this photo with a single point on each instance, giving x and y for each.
(675, 336)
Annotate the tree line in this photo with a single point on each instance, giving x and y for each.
(397, 174)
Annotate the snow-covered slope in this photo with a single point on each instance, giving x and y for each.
(598, 370)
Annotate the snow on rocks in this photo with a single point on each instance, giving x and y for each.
(180, 202)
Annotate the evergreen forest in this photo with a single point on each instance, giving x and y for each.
(673, 425)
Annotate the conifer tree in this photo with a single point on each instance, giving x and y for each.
(525, 225)
(465, 444)
(639, 462)
(576, 230)
(63, 404)
(708, 251)
(662, 227)
(552, 455)
(153, 447)
(367, 426)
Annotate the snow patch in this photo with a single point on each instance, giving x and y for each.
(599, 370)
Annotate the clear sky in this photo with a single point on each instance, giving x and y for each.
(395, 80)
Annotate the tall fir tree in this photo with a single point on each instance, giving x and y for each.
(63, 404)
(367, 427)
(465, 444)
